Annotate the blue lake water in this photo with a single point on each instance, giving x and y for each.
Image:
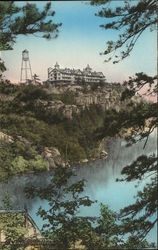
(100, 179)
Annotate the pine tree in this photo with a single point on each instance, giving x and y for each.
(25, 20)
(130, 19)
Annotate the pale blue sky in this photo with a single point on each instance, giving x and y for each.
(79, 43)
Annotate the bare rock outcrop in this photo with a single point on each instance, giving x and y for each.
(55, 105)
(53, 157)
(102, 153)
(6, 138)
(67, 110)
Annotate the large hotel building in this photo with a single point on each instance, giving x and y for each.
(67, 75)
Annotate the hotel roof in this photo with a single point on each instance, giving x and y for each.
(86, 71)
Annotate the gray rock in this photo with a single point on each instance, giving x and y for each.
(53, 157)
(6, 138)
(103, 154)
(84, 161)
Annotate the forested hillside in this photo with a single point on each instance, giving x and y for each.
(34, 129)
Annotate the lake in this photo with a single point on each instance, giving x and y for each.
(100, 178)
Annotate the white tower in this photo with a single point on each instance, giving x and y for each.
(26, 72)
(56, 66)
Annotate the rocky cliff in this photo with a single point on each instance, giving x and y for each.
(34, 117)
(106, 97)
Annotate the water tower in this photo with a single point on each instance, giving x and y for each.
(26, 72)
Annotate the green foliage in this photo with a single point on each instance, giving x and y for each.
(134, 243)
(135, 117)
(75, 139)
(7, 201)
(140, 81)
(146, 200)
(127, 94)
(17, 157)
(131, 19)
(107, 230)
(7, 88)
(24, 20)
(67, 97)
(63, 226)
(138, 169)
(31, 93)
(101, 84)
(2, 67)
(137, 219)
(13, 226)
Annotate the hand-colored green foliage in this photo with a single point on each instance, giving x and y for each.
(146, 200)
(31, 93)
(62, 223)
(131, 19)
(140, 81)
(17, 157)
(135, 117)
(12, 226)
(25, 20)
(134, 243)
(64, 228)
(105, 233)
(74, 138)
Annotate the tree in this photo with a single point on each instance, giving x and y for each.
(107, 228)
(25, 20)
(138, 218)
(63, 225)
(36, 79)
(17, 157)
(64, 228)
(131, 19)
(12, 224)
(141, 85)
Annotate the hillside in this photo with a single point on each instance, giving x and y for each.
(43, 127)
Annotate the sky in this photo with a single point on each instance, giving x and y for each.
(79, 43)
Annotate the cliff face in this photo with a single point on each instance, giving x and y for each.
(106, 97)
(35, 135)
(67, 110)
(53, 157)
(103, 98)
